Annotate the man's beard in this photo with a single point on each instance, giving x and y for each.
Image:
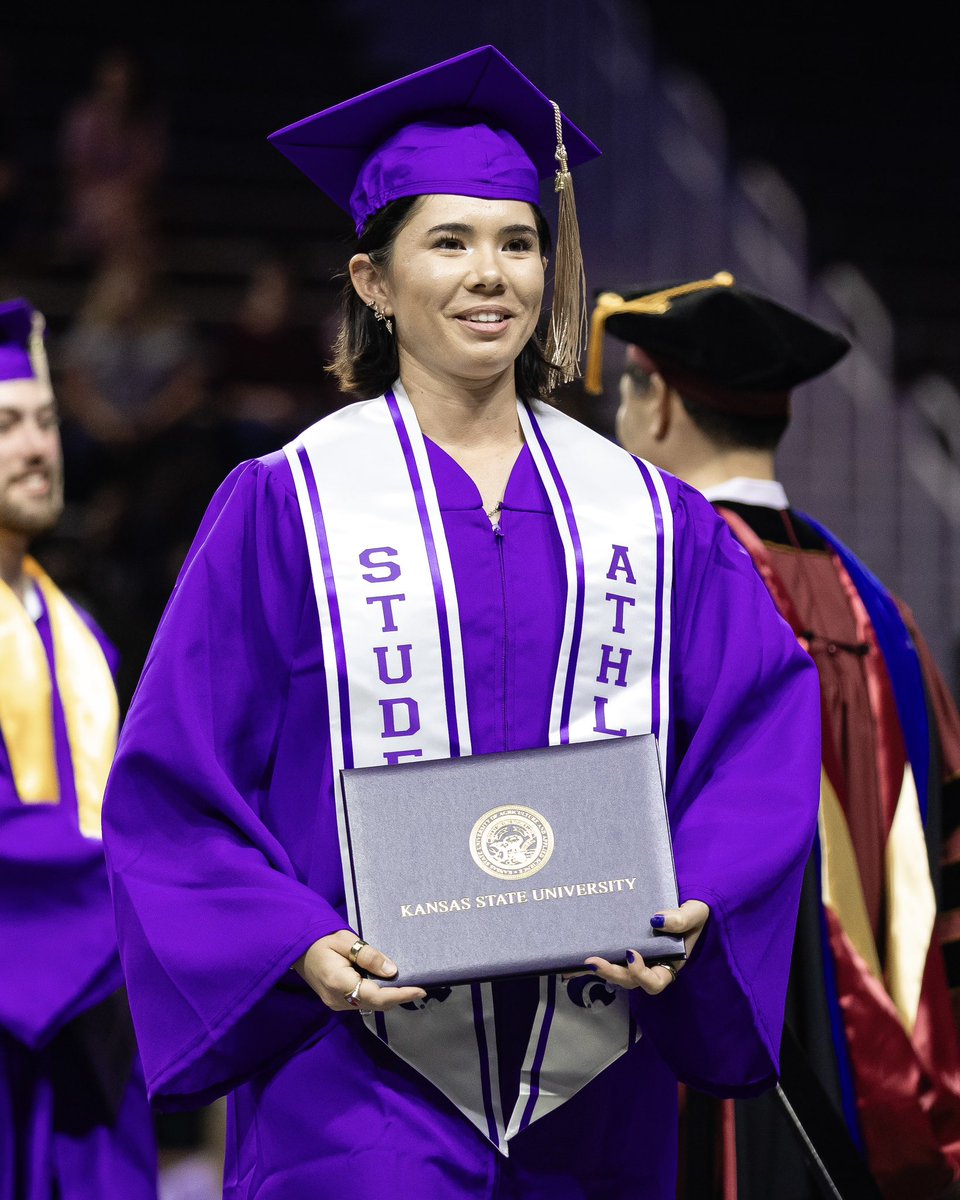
(32, 516)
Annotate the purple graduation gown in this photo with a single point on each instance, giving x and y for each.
(222, 843)
(60, 1117)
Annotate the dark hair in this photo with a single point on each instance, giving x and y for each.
(726, 430)
(365, 360)
(730, 430)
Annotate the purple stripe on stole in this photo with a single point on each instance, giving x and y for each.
(343, 687)
(658, 618)
(541, 1051)
(578, 560)
(334, 605)
(485, 1085)
(443, 620)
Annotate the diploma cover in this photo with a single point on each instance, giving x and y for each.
(520, 863)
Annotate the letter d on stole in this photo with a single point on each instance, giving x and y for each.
(412, 716)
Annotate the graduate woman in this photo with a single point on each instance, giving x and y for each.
(451, 567)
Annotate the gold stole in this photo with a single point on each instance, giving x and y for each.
(86, 691)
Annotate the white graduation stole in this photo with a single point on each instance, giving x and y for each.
(393, 659)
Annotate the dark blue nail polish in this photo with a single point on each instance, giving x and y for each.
(630, 956)
(592, 967)
(657, 920)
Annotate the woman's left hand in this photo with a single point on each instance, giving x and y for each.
(688, 920)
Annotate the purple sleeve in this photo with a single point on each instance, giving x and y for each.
(56, 920)
(211, 911)
(743, 796)
(56, 927)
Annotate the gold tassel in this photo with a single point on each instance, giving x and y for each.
(37, 351)
(610, 303)
(568, 316)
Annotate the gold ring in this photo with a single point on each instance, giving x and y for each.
(354, 952)
(353, 998)
(671, 968)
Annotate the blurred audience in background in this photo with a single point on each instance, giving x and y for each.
(131, 371)
(135, 439)
(10, 172)
(112, 151)
(267, 372)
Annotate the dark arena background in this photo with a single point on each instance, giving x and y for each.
(188, 272)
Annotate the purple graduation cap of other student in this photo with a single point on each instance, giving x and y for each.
(21, 341)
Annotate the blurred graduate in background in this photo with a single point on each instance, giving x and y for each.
(74, 1121)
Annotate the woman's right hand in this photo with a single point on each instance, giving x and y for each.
(326, 967)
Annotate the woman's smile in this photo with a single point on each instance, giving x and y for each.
(486, 321)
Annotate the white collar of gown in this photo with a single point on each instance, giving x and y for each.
(767, 493)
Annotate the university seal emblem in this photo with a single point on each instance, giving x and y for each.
(511, 842)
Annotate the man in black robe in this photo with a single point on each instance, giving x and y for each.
(870, 1058)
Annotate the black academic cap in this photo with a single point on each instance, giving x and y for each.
(738, 350)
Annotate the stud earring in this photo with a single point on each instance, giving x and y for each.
(382, 317)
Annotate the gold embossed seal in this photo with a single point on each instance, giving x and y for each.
(511, 842)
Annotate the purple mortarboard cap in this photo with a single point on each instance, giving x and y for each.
(471, 126)
(16, 332)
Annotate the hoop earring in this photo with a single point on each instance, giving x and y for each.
(382, 317)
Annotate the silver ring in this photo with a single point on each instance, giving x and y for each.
(353, 998)
(354, 952)
(671, 968)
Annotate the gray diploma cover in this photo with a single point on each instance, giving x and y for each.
(520, 863)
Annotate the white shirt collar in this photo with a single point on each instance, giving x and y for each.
(32, 603)
(766, 493)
